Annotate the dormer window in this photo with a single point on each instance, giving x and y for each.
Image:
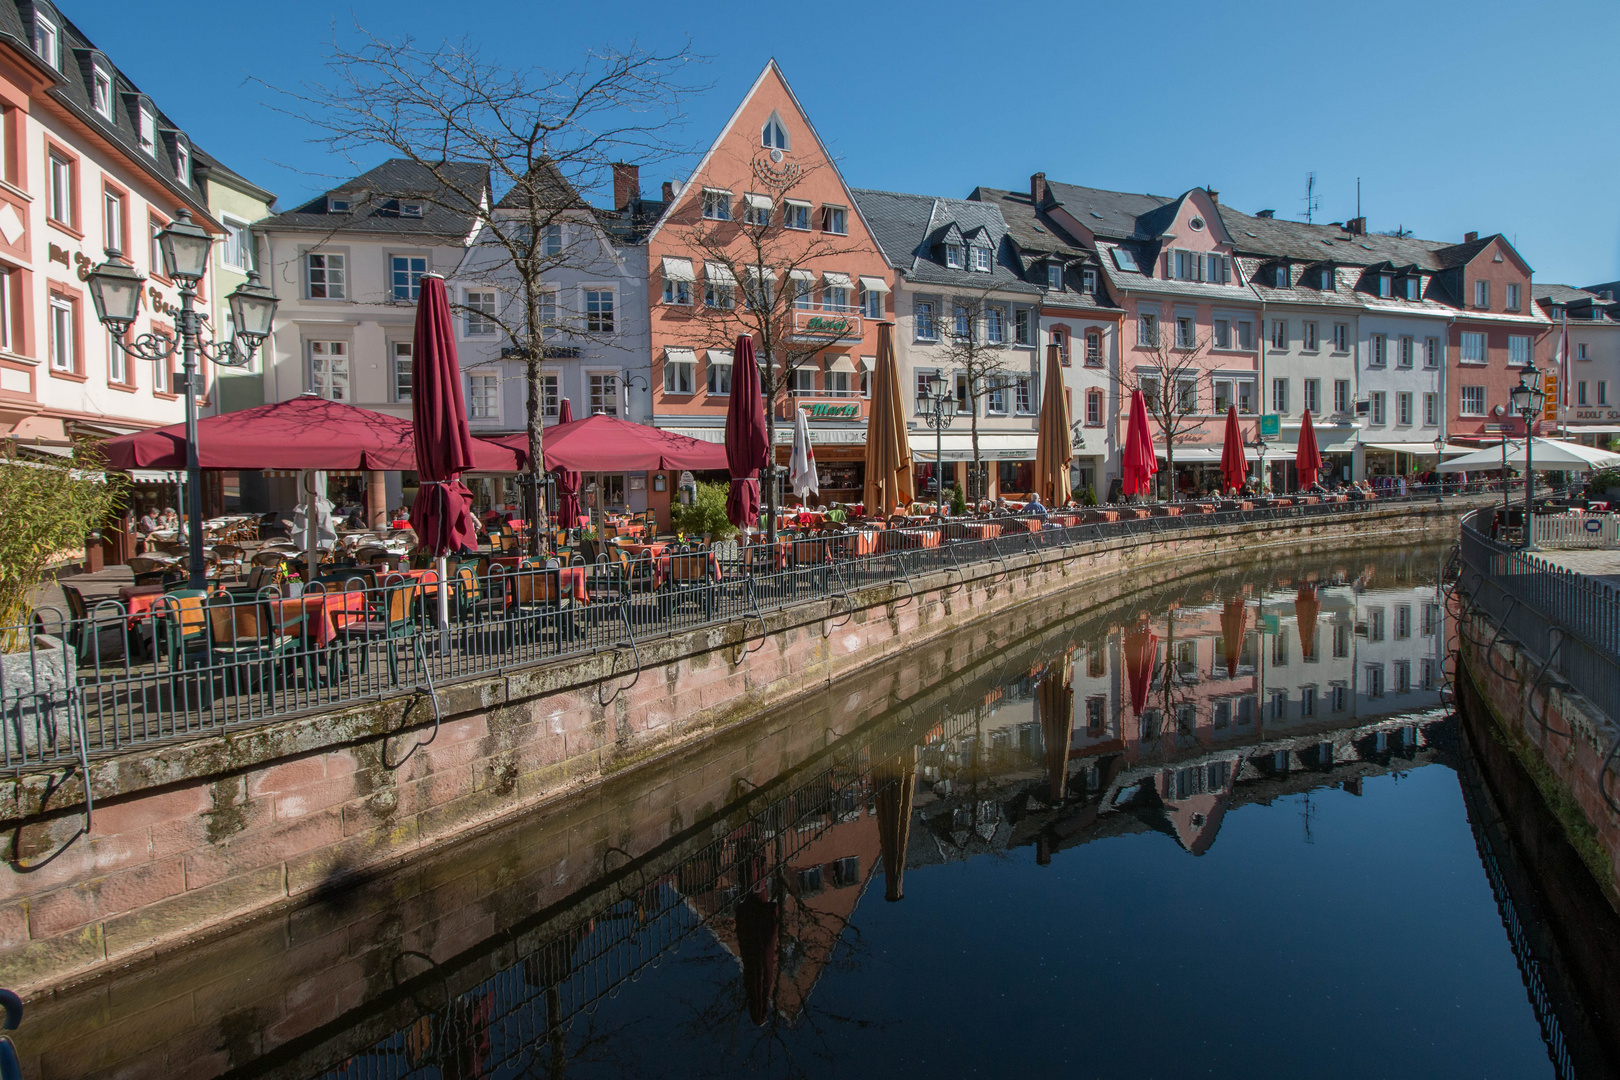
(1414, 288)
(182, 163)
(337, 204)
(47, 39)
(1126, 260)
(410, 209)
(1088, 282)
(101, 91)
(148, 131)
(1283, 279)
(981, 258)
(774, 136)
(1054, 275)
(1329, 282)
(955, 256)
(1384, 283)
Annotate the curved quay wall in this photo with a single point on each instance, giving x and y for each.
(194, 836)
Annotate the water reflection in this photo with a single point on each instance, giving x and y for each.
(751, 941)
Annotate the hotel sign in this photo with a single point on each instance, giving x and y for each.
(828, 410)
(821, 326)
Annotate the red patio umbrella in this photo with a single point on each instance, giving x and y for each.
(1306, 608)
(1234, 625)
(307, 432)
(1234, 466)
(1307, 459)
(1141, 647)
(568, 480)
(442, 512)
(604, 443)
(1140, 462)
(746, 438)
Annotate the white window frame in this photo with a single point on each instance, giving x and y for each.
(1512, 296)
(1094, 347)
(1279, 396)
(835, 220)
(1379, 413)
(413, 277)
(924, 324)
(117, 358)
(1518, 350)
(981, 258)
(1147, 329)
(552, 240)
(1054, 276)
(1308, 341)
(1341, 337)
(594, 321)
(63, 334)
(401, 360)
(1311, 397)
(716, 377)
(1431, 352)
(995, 325)
(1341, 396)
(335, 278)
(62, 182)
(1088, 282)
(47, 39)
(484, 396)
(597, 386)
(1408, 347)
(1431, 409)
(873, 304)
(112, 220)
(677, 293)
(716, 204)
(956, 256)
(1279, 333)
(796, 215)
(101, 91)
(1482, 294)
(1466, 355)
(329, 369)
(1377, 350)
(479, 318)
(1403, 408)
(1477, 394)
(1186, 331)
(148, 131)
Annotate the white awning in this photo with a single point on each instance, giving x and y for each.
(702, 434)
(868, 363)
(837, 281)
(674, 355)
(1199, 455)
(761, 272)
(44, 448)
(874, 284)
(678, 269)
(958, 446)
(1418, 448)
(719, 356)
(707, 190)
(758, 202)
(797, 202)
(719, 273)
(843, 363)
(808, 276)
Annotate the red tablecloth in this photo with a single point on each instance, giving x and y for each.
(575, 574)
(984, 530)
(902, 539)
(661, 566)
(324, 613)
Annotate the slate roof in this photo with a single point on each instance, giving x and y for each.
(1565, 294)
(909, 230)
(72, 89)
(375, 196)
(556, 193)
(1612, 287)
(1031, 228)
(1114, 214)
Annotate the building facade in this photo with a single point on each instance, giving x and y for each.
(1497, 331)
(1590, 318)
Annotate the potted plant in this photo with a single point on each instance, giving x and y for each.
(705, 514)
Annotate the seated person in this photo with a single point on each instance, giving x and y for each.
(1035, 507)
(836, 512)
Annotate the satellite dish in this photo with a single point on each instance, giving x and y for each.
(776, 156)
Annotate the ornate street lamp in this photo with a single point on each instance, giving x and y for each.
(1260, 444)
(115, 289)
(939, 409)
(1439, 446)
(1528, 399)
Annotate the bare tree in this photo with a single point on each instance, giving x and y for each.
(972, 346)
(1168, 376)
(759, 278)
(540, 136)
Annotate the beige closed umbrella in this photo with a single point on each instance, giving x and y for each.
(888, 454)
(1053, 450)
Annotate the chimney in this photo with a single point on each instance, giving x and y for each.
(1356, 226)
(1214, 196)
(1037, 188)
(1470, 237)
(669, 192)
(626, 184)
(1607, 294)
(1267, 214)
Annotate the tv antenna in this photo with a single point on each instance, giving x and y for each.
(1312, 202)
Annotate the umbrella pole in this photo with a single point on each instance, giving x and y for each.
(442, 565)
(312, 525)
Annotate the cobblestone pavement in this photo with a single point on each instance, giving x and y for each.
(1603, 565)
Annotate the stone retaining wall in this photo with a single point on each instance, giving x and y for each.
(192, 836)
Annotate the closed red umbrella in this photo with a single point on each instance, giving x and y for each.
(757, 936)
(442, 512)
(1055, 700)
(306, 432)
(1140, 462)
(1234, 466)
(1141, 646)
(1307, 459)
(746, 438)
(1234, 627)
(894, 784)
(568, 480)
(1306, 608)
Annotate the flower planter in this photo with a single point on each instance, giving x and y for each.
(35, 698)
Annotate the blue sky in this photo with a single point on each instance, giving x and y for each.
(1487, 116)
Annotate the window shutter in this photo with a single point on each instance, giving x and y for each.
(1226, 269)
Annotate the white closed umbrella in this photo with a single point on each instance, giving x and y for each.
(1546, 455)
(802, 465)
(312, 519)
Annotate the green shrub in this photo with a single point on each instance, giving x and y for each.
(707, 514)
(1088, 497)
(958, 500)
(1601, 482)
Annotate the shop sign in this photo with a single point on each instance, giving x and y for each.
(814, 324)
(830, 410)
(1270, 426)
(1597, 414)
(1549, 408)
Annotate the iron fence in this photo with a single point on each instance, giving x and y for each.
(184, 664)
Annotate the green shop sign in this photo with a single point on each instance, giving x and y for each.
(840, 327)
(822, 410)
(1270, 425)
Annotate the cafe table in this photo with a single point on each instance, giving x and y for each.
(573, 577)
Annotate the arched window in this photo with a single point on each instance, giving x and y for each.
(774, 135)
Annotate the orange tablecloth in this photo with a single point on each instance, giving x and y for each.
(575, 574)
(324, 613)
(985, 530)
(903, 539)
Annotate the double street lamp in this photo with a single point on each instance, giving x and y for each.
(115, 289)
(1261, 445)
(939, 409)
(1528, 400)
(1439, 448)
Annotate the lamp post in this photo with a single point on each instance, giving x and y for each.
(1260, 444)
(1528, 399)
(1439, 445)
(939, 409)
(1499, 412)
(115, 289)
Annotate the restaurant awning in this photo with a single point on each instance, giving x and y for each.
(958, 446)
(1419, 448)
(676, 269)
(1201, 455)
(156, 476)
(608, 444)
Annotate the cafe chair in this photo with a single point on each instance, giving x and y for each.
(388, 618)
(689, 579)
(541, 601)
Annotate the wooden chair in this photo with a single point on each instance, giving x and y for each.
(247, 638)
(389, 617)
(688, 579)
(231, 557)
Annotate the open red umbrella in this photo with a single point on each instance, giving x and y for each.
(1307, 459)
(746, 438)
(1141, 647)
(442, 512)
(603, 443)
(1234, 466)
(1140, 462)
(568, 480)
(1234, 626)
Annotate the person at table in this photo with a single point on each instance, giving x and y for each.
(1037, 508)
(836, 512)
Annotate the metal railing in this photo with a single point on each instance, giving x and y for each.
(189, 665)
(1571, 620)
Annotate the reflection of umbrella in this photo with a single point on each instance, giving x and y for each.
(1307, 459)
(1139, 462)
(1234, 466)
(1234, 625)
(1141, 646)
(802, 465)
(1055, 699)
(888, 454)
(1306, 607)
(894, 782)
(1052, 446)
(756, 948)
(745, 436)
(568, 480)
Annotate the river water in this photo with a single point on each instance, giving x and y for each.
(1223, 828)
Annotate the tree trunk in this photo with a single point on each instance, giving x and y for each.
(973, 493)
(535, 407)
(768, 479)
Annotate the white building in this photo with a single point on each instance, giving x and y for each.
(1593, 320)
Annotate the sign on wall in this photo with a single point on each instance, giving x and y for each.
(825, 326)
(1270, 425)
(1549, 408)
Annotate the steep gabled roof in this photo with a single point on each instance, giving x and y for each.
(1114, 214)
(375, 196)
(909, 228)
(1455, 255)
(555, 192)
